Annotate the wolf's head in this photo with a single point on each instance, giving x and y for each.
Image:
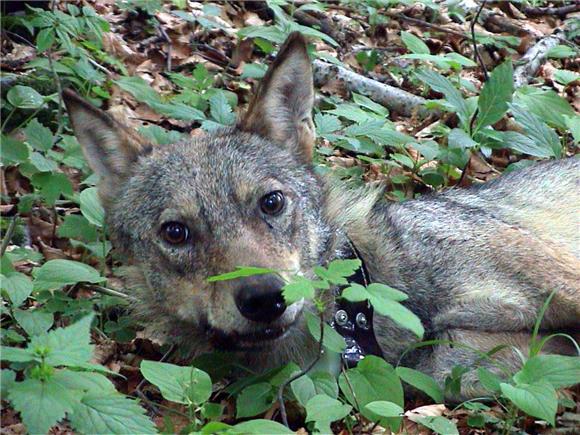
(244, 196)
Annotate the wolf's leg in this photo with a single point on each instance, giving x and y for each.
(444, 357)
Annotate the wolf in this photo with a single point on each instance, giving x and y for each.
(477, 264)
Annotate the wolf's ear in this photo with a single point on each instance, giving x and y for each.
(282, 107)
(109, 147)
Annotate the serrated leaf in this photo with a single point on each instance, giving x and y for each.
(538, 399)
(338, 270)
(332, 340)
(7, 379)
(241, 272)
(525, 145)
(326, 124)
(438, 424)
(322, 408)
(537, 130)
(384, 408)
(255, 399)
(414, 44)
(41, 404)
(13, 151)
(42, 164)
(299, 288)
(55, 274)
(367, 103)
(422, 382)
(558, 370)
(34, 322)
(382, 291)
(16, 354)
(18, 287)
(24, 97)
(51, 185)
(77, 227)
(91, 207)
(573, 123)
(178, 384)
(38, 135)
(112, 414)
(220, 109)
(495, 95)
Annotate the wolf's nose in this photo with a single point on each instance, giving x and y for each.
(260, 299)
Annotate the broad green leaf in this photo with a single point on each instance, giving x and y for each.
(538, 399)
(573, 123)
(326, 124)
(69, 346)
(42, 164)
(84, 381)
(51, 185)
(414, 44)
(547, 105)
(178, 384)
(140, 89)
(561, 52)
(241, 272)
(325, 383)
(422, 382)
(41, 404)
(299, 288)
(77, 227)
(382, 291)
(16, 354)
(355, 293)
(565, 77)
(399, 313)
(441, 84)
(44, 39)
(332, 340)
(111, 413)
(338, 271)
(489, 380)
(38, 136)
(326, 409)
(384, 408)
(558, 370)
(55, 274)
(438, 424)
(537, 130)
(13, 151)
(24, 97)
(495, 95)
(7, 379)
(91, 207)
(458, 138)
(18, 287)
(220, 109)
(260, 427)
(255, 399)
(34, 322)
(366, 102)
(303, 389)
(525, 145)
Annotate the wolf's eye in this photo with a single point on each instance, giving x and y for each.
(272, 203)
(175, 232)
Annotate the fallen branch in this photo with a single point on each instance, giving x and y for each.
(560, 11)
(534, 58)
(492, 20)
(394, 99)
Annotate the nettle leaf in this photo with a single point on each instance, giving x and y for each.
(495, 95)
(41, 404)
(51, 185)
(38, 136)
(322, 408)
(55, 274)
(538, 399)
(367, 103)
(338, 270)
(112, 413)
(537, 130)
(220, 109)
(438, 424)
(241, 272)
(326, 124)
(34, 322)
(372, 380)
(18, 287)
(24, 97)
(178, 384)
(558, 370)
(255, 399)
(385, 408)
(441, 84)
(299, 288)
(332, 340)
(16, 354)
(91, 207)
(422, 382)
(414, 44)
(69, 346)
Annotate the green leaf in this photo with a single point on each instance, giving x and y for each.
(55, 274)
(438, 424)
(338, 271)
(495, 95)
(379, 291)
(77, 227)
(241, 272)
(525, 145)
(367, 103)
(303, 389)
(489, 380)
(399, 313)
(547, 105)
(573, 123)
(13, 151)
(91, 207)
(40, 162)
(254, 400)
(538, 399)
(50, 184)
(84, 381)
(384, 408)
(332, 340)
(16, 354)
(458, 138)
(220, 109)
(565, 77)
(322, 408)
(38, 135)
(68, 346)
(41, 404)
(414, 44)
(44, 39)
(558, 370)
(299, 288)
(422, 382)
(260, 427)
(561, 52)
(178, 384)
(441, 84)
(24, 97)
(34, 322)
(326, 124)
(140, 89)
(112, 414)
(7, 379)
(18, 287)
(537, 130)
(355, 293)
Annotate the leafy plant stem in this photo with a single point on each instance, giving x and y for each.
(475, 49)
(8, 118)
(304, 371)
(8, 235)
(534, 345)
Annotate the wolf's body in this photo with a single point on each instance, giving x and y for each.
(477, 264)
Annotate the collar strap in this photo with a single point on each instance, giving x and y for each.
(354, 320)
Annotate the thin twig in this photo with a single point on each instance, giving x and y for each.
(478, 57)
(300, 374)
(560, 11)
(169, 46)
(351, 389)
(423, 23)
(58, 87)
(8, 236)
(109, 292)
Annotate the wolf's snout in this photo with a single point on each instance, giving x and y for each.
(260, 298)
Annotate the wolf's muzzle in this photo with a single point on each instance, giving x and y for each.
(260, 298)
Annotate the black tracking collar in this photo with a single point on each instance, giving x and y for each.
(354, 320)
